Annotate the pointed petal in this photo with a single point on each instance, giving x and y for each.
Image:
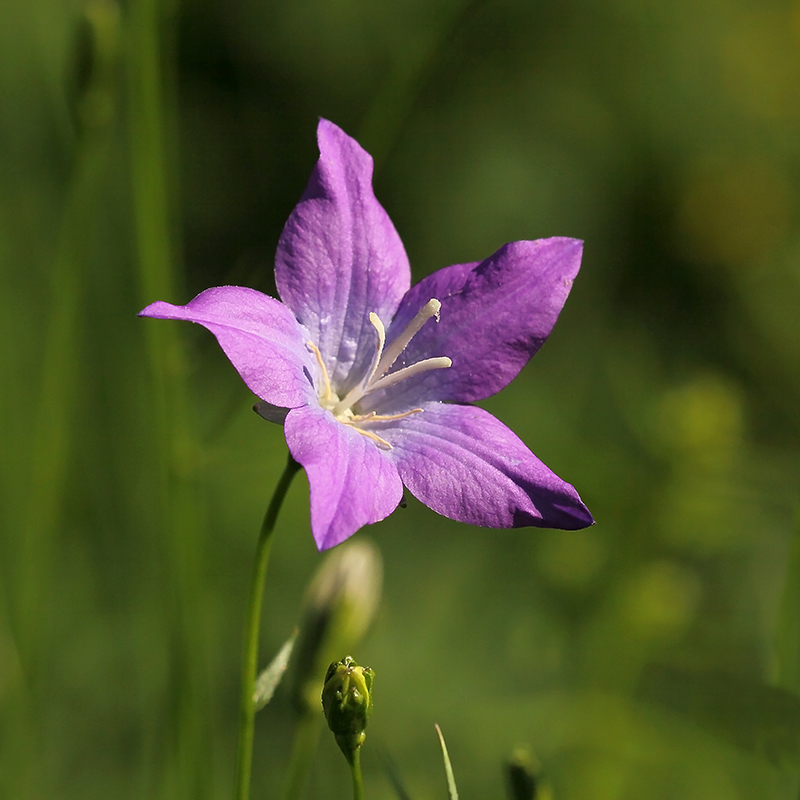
(339, 256)
(495, 315)
(466, 465)
(260, 336)
(351, 480)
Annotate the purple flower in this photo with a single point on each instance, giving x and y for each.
(373, 379)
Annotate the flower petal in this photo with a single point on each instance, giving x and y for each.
(340, 257)
(260, 336)
(466, 465)
(352, 482)
(495, 315)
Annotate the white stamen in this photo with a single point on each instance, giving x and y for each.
(376, 377)
(328, 391)
(361, 388)
(374, 416)
(442, 362)
(401, 415)
(374, 436)
(378, 325)
(430, 309)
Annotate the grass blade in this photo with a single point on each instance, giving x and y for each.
(451, 781)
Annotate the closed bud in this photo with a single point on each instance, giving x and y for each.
(94, 81)
(347, 703)
(340, 604)
(522, 775)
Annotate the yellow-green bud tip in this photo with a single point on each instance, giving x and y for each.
(523, 776)
(347, 703)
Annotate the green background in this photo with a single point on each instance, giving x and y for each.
(656, 655)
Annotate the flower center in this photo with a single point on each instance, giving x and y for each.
(376, 376)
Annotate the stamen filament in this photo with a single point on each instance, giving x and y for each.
(374, 416)
(430, 309)
(442, 362)
(376, 377)
(361, 388)
(328, 391)
(373, 436)
(378, 325)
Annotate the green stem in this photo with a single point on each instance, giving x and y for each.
(355, 768)
(305, 743)
(247, 710)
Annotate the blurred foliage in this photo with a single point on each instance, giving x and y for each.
(653, 656)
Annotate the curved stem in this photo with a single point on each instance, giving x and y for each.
(247, 710)
(355, 767)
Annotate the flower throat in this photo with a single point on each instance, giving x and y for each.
(376, 376)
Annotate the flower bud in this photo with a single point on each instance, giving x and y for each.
(94, 79)
(340, 603)
(524, 777)
(347, 703)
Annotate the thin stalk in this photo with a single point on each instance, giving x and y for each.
(306, 736)
(355, 768)
(247, 709)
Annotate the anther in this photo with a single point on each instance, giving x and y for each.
(370, 435)
(376, 376)
(378, 325)
(374, 416)
(430, 309)
(328, 391)
(441, 362)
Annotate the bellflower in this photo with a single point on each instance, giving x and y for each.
(373, 378)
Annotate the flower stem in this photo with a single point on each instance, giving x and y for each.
(247, 711)
(355, 768)
(305, 743)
